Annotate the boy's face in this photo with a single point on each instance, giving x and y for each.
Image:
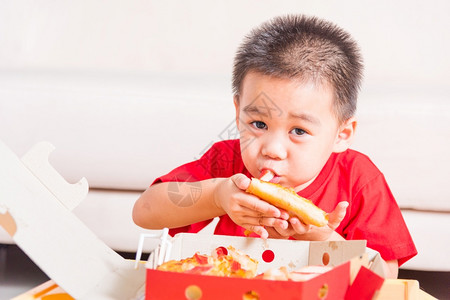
(288, 126)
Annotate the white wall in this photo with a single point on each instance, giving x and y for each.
(404, 42)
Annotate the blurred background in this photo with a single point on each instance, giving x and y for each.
(403, 42)
(128, 90)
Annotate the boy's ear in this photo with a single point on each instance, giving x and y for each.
(236, 106)
(345, 135)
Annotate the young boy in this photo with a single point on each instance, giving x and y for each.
(295, 84)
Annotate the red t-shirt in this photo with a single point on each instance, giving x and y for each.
(372, 215)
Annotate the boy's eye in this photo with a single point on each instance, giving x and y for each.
(298, 131)
(259, 124)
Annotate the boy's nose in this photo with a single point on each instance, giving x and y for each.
(274, 149)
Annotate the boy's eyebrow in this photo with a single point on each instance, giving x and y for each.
(306, 117)
(253, 109)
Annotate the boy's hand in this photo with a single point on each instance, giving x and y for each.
(245, 209)
(301, 231)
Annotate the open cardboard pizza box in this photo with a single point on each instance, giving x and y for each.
(36, 210)
(356, 271)
(270, 254)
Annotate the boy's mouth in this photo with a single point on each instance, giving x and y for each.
(269, 175)
(275, 179)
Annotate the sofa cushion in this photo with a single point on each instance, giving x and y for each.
(429, 231)
(406, 133)
(121, 131)
(118, 131)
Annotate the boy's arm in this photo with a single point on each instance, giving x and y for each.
(391, 268)
(157, 208)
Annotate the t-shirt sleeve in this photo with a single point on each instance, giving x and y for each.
(377, 218)
(216, 162)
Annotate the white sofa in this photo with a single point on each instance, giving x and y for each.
(126, 93)
(121, 132)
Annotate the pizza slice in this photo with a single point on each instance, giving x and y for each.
(227, 262)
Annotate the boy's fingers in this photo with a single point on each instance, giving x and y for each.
(284, 215)
(299, 227)
(252, 202)
(273, 233)
(241, 181)
(284, 230)
(250, 213)
(259, 230)
(253, 206)
(335, 218)
(264, 208)
(271, 222)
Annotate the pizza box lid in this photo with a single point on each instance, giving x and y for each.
(36, 211)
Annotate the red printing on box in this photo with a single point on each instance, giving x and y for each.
(365, 285)
(171, 285)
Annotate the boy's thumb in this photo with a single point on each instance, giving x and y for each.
(241, 181)
(335, 218)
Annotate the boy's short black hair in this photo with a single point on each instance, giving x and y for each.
(306, 48)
